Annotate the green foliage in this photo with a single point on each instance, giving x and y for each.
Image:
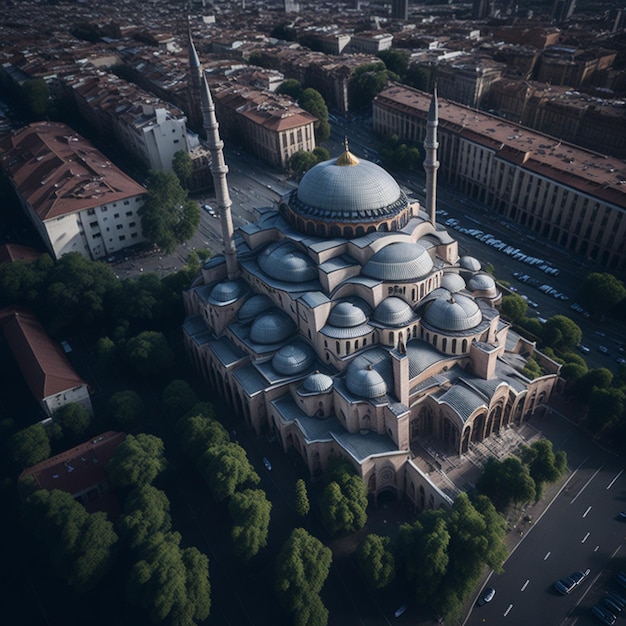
(376, 561)
(226, 468)
(302, 499)
(149, 353)
(600, 292)
(399, 156)
(396, 61)
(29, 446)
(506, 482)
(513, 307)
(170, 582)
(146, 512)
(168, 217)
(35, 96)
(286, 32)
(290, 87)
(606, 407)
(532, 369)
(367, 82)
(250, 512)
(419, 77)
(73, 419)
(542, 463)
(561, 333)
(312, 101)
(344, 504)
(302, 161)
(182, 166)
(302, 567)
(600, 377)
(137, 461)
(126, 408)
(197, 434)
(321, 154)
(105, 351)
(178, 398)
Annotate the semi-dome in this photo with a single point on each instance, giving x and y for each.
(293, 359)
(226, 292)
(365, 382)
(481, 282)
(348, 189)
(253, 307)
(317, 383)
(469, 263)
(272, 327)
(454, 313)
(452, 282)
(283, 260)
(346, 315)
(393, 311)
(402, 260)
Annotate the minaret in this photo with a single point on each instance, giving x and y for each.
(431, 165)
(218, 171)
(195, 74)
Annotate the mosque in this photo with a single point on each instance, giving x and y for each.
(345, 323)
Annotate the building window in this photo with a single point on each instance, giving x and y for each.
(116, 215)
(132, 224)
(122, 237)
(129, 213)
(126, 202)
(119, 226)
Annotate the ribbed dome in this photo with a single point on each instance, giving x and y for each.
(253, 307)
(394, 311)
(317, 383)
(226, 292)
(457, 312)
(284, 261)
(272, 327)
(469, 263)
(348, 189)
(365, 382)
(452, 282)
(346, 315)
(481, 282)
(399, 261)
(293, 359)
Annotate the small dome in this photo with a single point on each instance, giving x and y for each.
(469, 263)
(346, 315)
(481, 282)
(366, 382)
(317, 383)
(399, 261)
(293, 359)
(272, 327)
(458, 312)
(225, 292)
(452, 282)
(283, 260)
(393, 311)
(253, 307)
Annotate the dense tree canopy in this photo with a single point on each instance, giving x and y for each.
(400, 156)
(344, 501)
(302, 499)
(543, 464)
(291, 87)
(197, 434)
(606, 407)
(137, 461)
(250, 511)
(182, 166)
(301, 162)
(168, 217)
(29, 446)
(312, 101)
(367, 82)
(149, 353)
(146, 512)
(600, 292)
(126, 408)
(376, 560)
(561, 333)
(506, 482)
(74, 421)
(178, 398)
(513, 307)
(226, 468)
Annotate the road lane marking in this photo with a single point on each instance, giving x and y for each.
(508, 610)
(525, 585)
(545, 558)
(586, 484)
(587, 511)
(613, 481)
(585, 538)
(596, 548)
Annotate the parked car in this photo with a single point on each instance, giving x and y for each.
(564, 585)
(400, 610)
(487, 596)
(267, 463)
(603, 614)
(584, 349)
(603, 349)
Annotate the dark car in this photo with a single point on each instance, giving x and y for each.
(564, 585)
(603, 614)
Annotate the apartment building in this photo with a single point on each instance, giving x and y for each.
(76, 199)
(572, 196)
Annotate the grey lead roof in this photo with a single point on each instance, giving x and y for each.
(226, 351)
(456, 312)
(399, 261)
(463, 400)
(250, 380)
(421, 356)
(283, 260)
(394, 311)
(362, 446)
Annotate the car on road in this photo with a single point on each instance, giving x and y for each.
(620, 360)
(567, 584)
(611, 605)
(487, 596)
(622, 516)
(584, 349)
(400, 610)
(603, 614)
(209, 209)
(603, 349)
(266, 462)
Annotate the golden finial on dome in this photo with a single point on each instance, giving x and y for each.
(347, 158)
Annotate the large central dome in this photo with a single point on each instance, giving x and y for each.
(347, 197)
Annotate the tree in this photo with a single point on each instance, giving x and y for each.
(172, 584)
(600, 377)
(367, 82)
(149, 353)
(290, 87)
(35, 96)
(376, 561)
(302, 498)
(506, 482)
(418, 77)
(146, 512)
(532, 369)
(250, 512)
(302, 567)
(600, 292)
(542, 463)
(178, 398)
(606, 406)
(562, 333)
(302, 161)
(396, 61)
(29, 446)
(312, 101)
(137, 461)
(226, 468)
(321, 154)
(73, 419)
(513, 307)
(182, 166)
(399, 156)
(343, 505)
(168, 217)
(197, 434)
(126, 408)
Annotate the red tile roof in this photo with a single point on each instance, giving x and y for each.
(16, 252)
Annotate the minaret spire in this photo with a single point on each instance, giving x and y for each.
(219, 169)
(431, 164)
(195, 86)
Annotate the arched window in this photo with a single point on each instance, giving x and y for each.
(337, 347)
(464, 346)
(391, 337)
(454, 346)
(444, 344)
